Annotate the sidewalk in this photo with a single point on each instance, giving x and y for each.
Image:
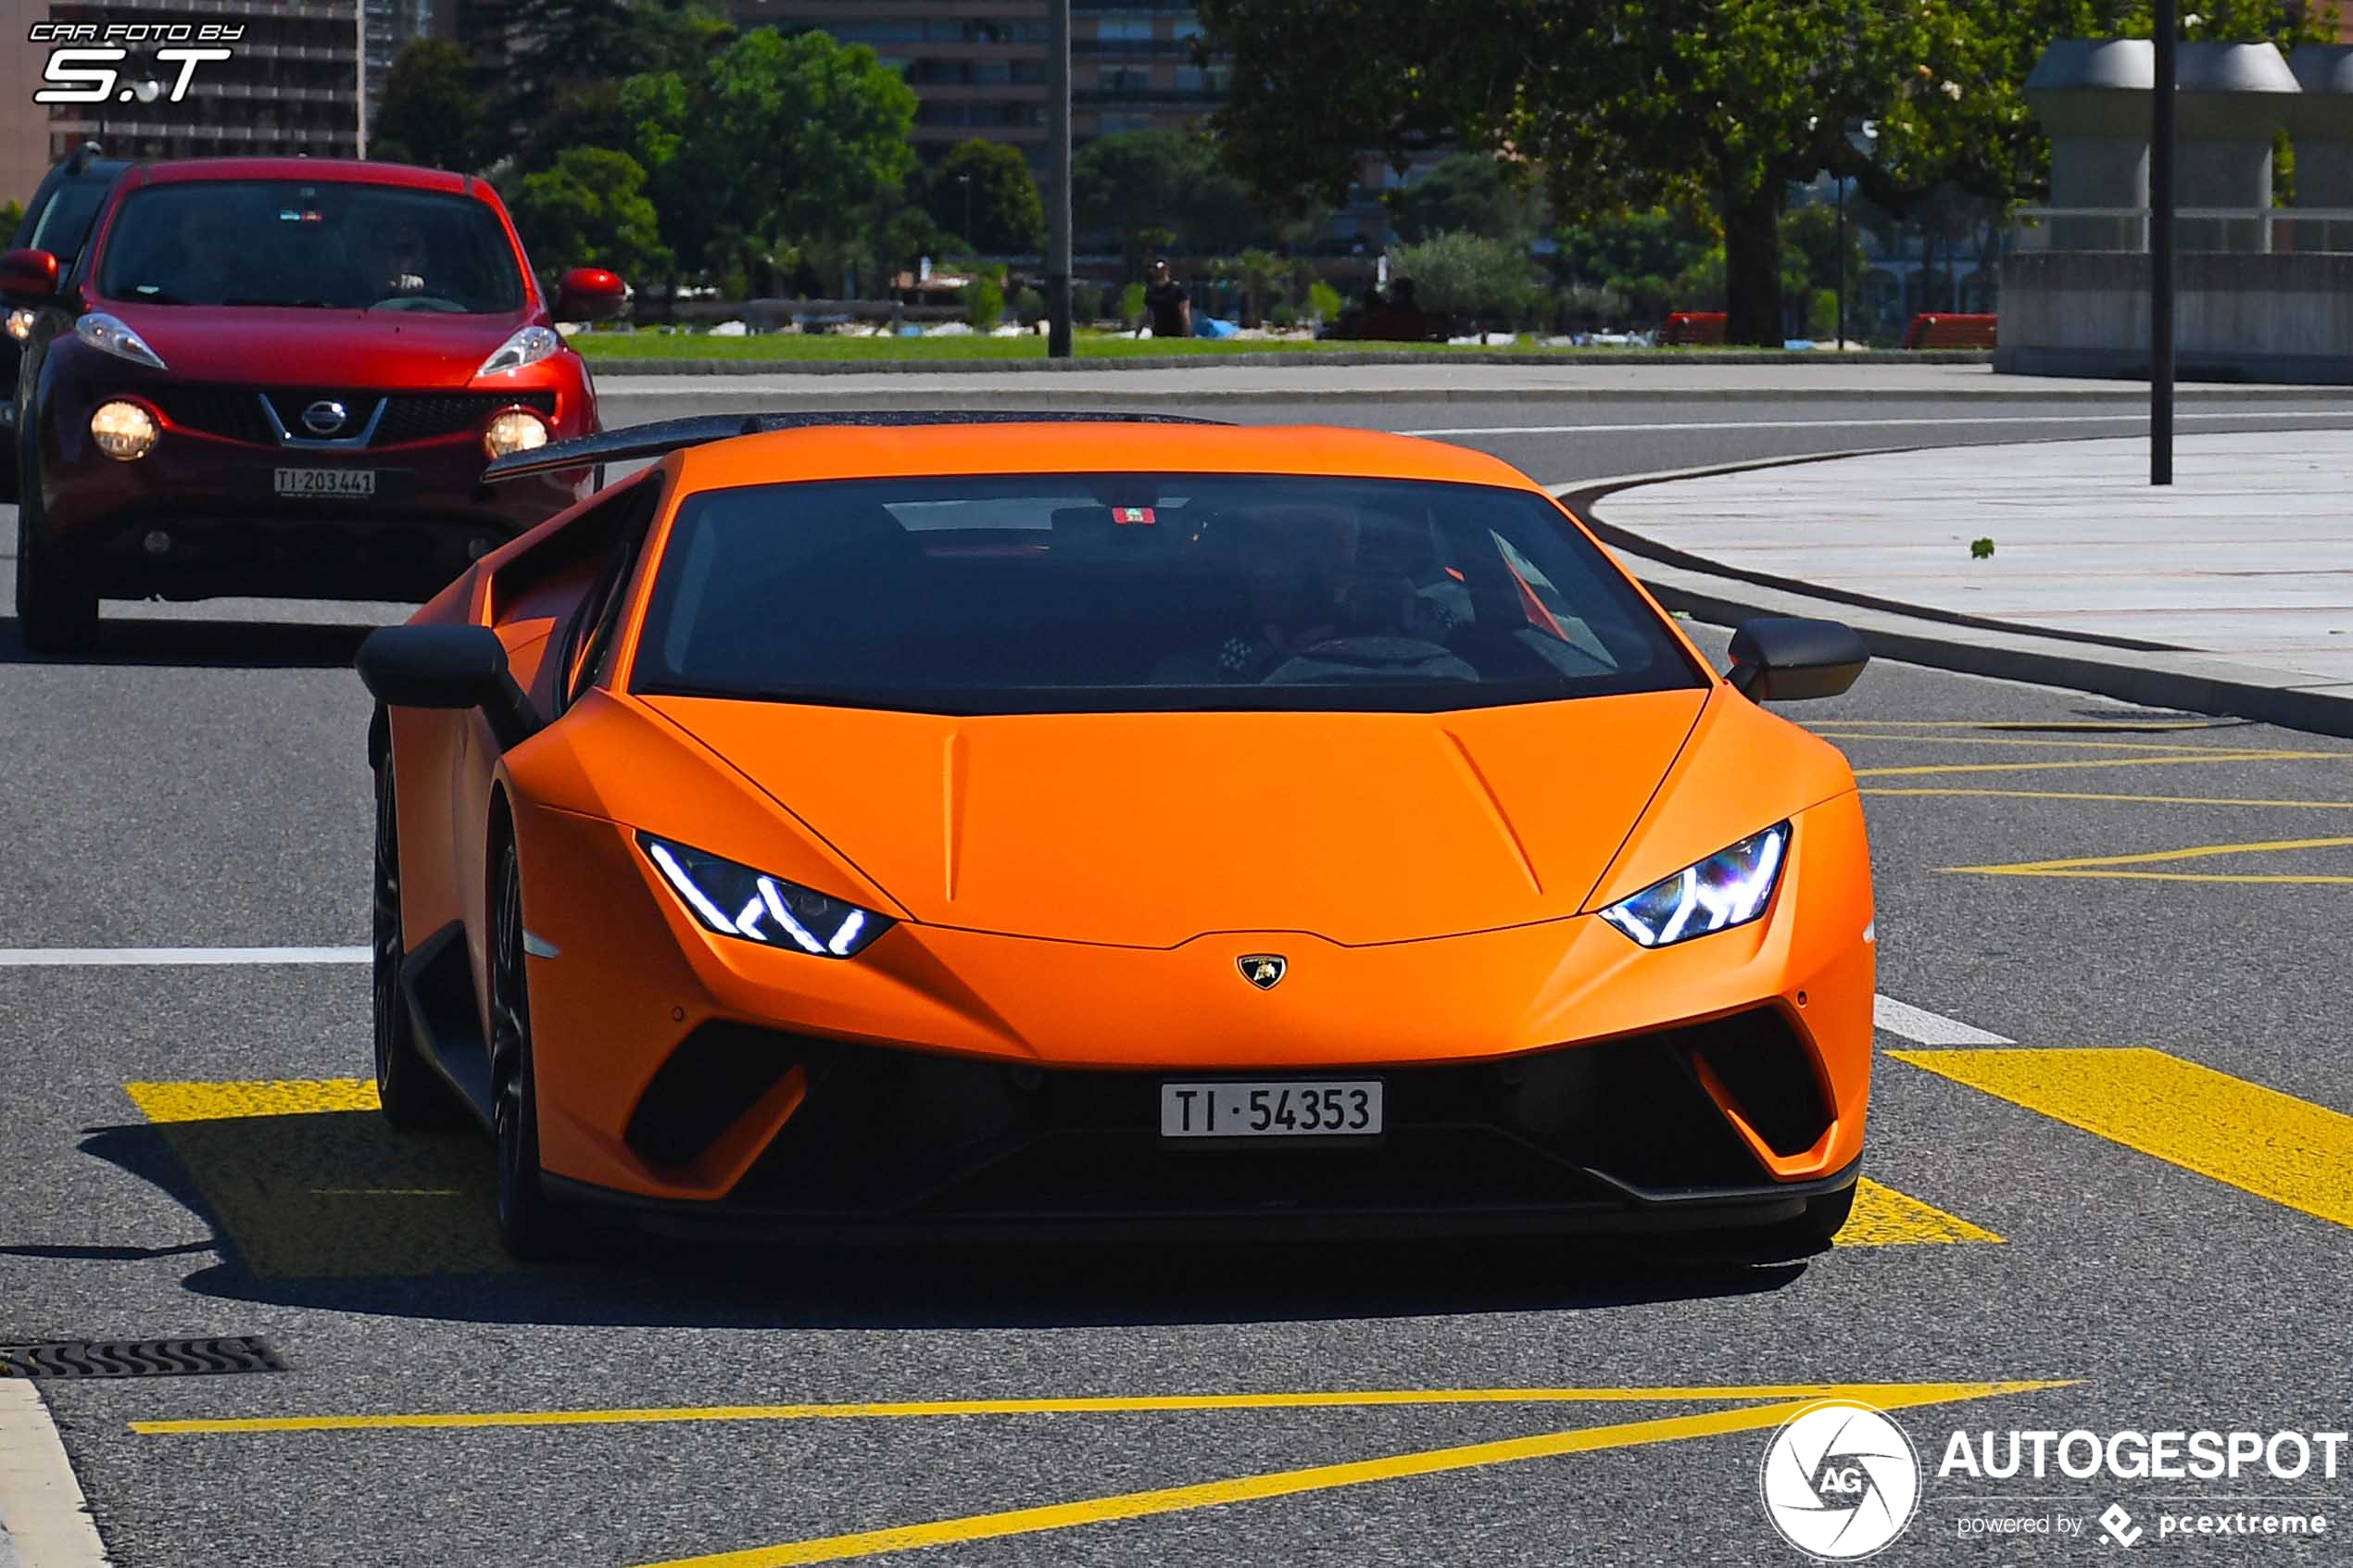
(2232, 591)
(1828, 380)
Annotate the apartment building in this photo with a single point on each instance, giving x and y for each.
(291, 85)
(979, 67)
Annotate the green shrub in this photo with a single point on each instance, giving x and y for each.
(1029, 307)
(983, 302)
(1131, 303)
(1323, 300)
(1465, 275)
(1285, 316)
(1086, 301)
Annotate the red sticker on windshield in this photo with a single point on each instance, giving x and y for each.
(1125, 515)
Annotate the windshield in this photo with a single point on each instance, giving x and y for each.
(325, 244)
(1099, 592)
(66, 218)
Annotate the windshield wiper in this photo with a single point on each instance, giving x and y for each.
(290, 304)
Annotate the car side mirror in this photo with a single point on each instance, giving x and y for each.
(1786, 658)
(590, 294)
(29, 277)
(448, 667)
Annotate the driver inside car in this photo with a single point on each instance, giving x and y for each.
(402, 258)
(1318, 608)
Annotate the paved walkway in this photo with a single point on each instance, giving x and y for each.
(2248, 556)
(1680, 381)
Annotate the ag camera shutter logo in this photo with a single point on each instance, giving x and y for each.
(1841, 1480)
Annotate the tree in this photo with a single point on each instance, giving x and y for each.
(801, 143)
(1135, 184)
(570, 45)
(990, 180)
(431, 115)
(1639, 103)
(1470, 194)
(1655, 262)
(11, 216)
(590, 210)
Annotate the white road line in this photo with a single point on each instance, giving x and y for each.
(44, 1521)
(2129, 418)
(82, 958)
(1924, 1027)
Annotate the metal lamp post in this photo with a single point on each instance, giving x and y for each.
(1058, 196)
(2166, 25)
(966, 182)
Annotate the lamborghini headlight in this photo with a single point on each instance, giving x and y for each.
(738, 901)
(1730, 887)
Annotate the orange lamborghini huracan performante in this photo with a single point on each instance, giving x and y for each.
(900, 824)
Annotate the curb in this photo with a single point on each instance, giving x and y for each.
(866, 395)
(2184, 679)
(1283, 358)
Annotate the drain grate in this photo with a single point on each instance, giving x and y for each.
(138, 1358)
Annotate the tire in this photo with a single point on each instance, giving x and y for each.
(412, 1095)
(57, 613)
(528, 1224)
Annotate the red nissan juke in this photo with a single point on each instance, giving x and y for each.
(283, 377)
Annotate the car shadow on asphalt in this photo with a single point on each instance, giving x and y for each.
(225, 645)
(323, 1217)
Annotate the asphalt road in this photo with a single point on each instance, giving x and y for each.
(2147, 1199)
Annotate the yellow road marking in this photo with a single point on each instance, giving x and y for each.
(2077, 726)
(2259, 1140)
(2129, 799)
(1316, 1478)
(1884, 1217)
(309, 1182)
(2165, 748)
(2105, 866)
(2095, 762)
(272, 1097)
(1084, 1405)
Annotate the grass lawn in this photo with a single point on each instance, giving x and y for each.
(785, 347)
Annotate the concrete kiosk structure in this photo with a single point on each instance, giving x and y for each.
(2077, 303)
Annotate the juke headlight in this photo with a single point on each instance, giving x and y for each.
(525, 346)
(112, 334)
(734, 900)
(1730, 887)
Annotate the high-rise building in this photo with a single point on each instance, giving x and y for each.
(979, 67)
(290, 85)
(391, 25)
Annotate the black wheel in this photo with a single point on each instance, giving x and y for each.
(412, 1093)
(57, 613)
(527, 1223)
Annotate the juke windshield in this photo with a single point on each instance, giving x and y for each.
(1087, 593)
(323, 244)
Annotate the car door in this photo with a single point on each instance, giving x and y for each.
(549, 605)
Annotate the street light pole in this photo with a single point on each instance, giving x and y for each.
(1842, 263)
(1058, 193)
(359, 105)
(2166, 26)
(966, 182)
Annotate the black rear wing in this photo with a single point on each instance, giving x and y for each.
(661, 437)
